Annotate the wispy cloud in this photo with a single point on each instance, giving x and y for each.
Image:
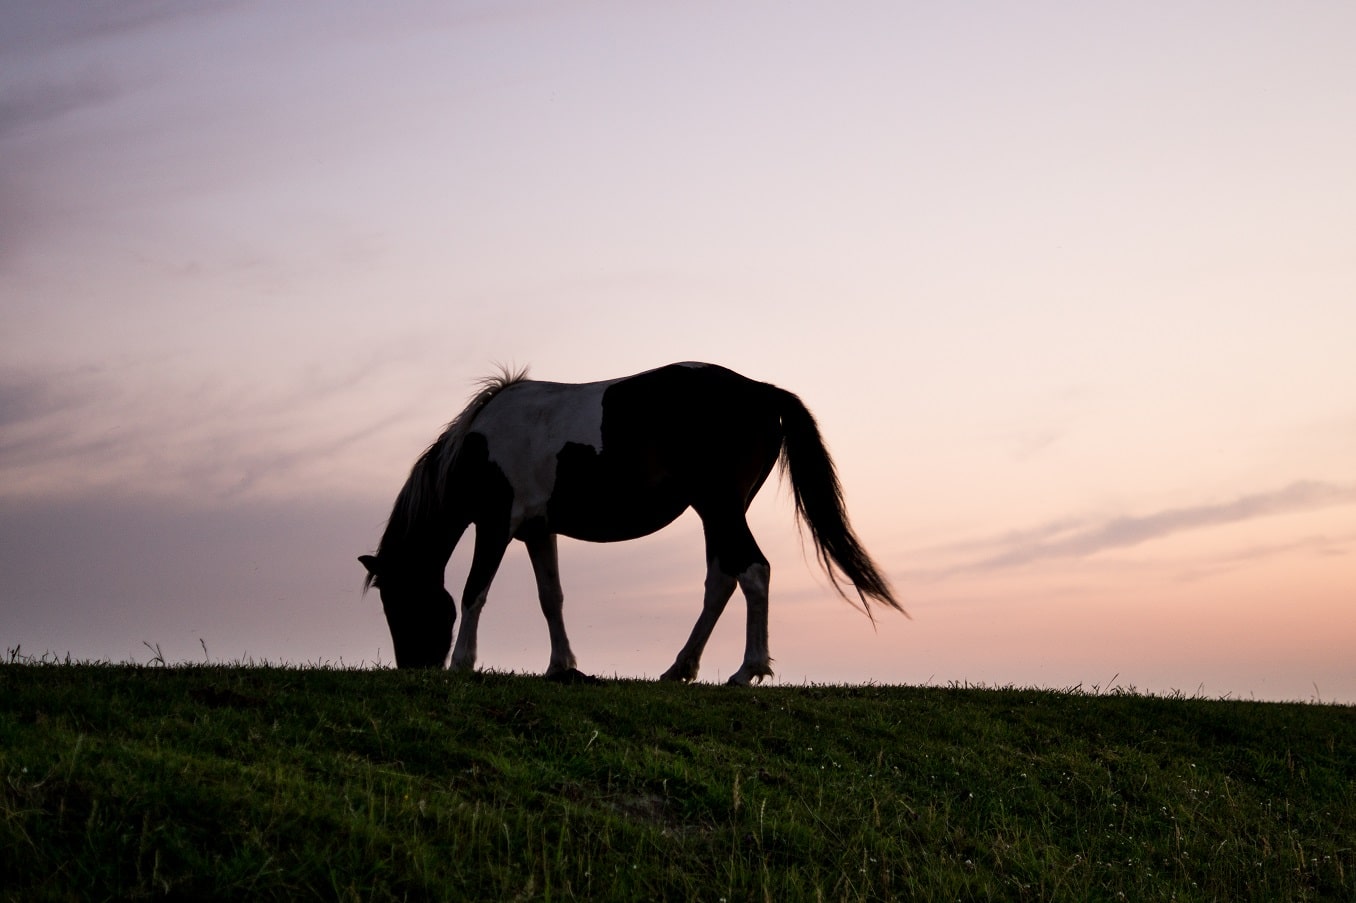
(22, 396)
(42, 27)
(1318, 546)
(1072, 539)
(23, 106)
(31, 402)
(137, 428)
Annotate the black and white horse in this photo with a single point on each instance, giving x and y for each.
(603, 462)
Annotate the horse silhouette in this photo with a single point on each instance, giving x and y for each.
(603, 462)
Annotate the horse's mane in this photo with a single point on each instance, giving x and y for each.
(422, 494)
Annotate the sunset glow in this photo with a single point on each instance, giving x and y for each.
(1070, 289)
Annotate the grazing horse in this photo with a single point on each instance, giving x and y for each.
(603, 462)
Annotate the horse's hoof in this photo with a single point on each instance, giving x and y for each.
(741, 679)
(572, 676)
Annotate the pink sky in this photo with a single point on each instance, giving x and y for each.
(1070, 289)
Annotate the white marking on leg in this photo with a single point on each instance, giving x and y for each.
(757, 662)
(464, 653)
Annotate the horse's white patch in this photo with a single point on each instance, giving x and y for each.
(755, 579)
(526, 426)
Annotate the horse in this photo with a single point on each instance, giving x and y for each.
(604, 462)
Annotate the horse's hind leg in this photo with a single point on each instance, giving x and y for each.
(541, 548)
(720, 586)
(732, 559)
(757, 662)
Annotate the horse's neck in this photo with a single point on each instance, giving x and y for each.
(428, 519)
(425, 542)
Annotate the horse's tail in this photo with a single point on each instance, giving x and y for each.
(819, 505)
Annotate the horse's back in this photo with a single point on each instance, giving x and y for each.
(622, 458)
(535, 418)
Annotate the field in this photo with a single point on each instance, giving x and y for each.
(210, 782)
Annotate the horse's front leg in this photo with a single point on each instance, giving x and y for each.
(541, 548)
(489, 552)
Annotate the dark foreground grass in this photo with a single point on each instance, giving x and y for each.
(243, 783)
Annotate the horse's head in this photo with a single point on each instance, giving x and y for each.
(419, 612)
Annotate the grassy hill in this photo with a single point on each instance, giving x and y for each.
(205, 782)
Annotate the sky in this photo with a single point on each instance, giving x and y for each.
(1071, 289)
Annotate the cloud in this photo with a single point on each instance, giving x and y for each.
(42, 27)
(142, 428)
(27, 105)
(32, 406)
(1318, 546)
(22, 397)
(1071, 539)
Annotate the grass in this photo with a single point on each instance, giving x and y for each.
(214, 782)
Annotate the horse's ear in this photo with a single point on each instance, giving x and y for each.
(369, 562)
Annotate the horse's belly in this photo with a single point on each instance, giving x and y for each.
(614, 516)
(598, 500)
